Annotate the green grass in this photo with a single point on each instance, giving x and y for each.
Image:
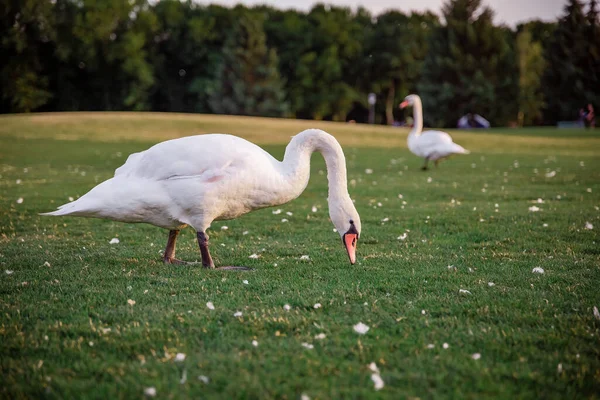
(67, 330)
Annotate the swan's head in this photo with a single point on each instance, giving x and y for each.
(346, 220)
(409, 100)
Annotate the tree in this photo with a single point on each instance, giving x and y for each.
(184, 51)
(101, 55)
(592, 68)
(397, 48)
(567, 81)
(470, 67)
(531, 69)
(28, 32)
(247, 80)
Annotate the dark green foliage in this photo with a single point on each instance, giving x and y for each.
(184, 56)
(470, 67)
(397, 48)
(571, 79)
(247, 81)
(531, 69)
(27, 30)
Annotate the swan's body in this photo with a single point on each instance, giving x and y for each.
(430, 145)
(198, 179)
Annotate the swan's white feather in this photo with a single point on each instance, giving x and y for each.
(432, 145)
(198, 179)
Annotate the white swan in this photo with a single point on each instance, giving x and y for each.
(198, 179)
(431, 145)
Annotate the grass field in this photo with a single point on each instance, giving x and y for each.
(69, 330)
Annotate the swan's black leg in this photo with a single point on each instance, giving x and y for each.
(436, 162)
(170, 249)
(169, 257)
(207, 261)
(424, 167)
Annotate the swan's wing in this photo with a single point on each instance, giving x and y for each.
(438, 142)
(208, 156)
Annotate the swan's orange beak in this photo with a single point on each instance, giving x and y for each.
(404, 104)
(350, 240)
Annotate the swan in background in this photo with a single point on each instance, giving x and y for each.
(431, 145)
(196, 180)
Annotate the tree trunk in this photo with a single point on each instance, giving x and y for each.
(389, 104)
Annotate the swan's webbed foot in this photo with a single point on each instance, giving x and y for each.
(424, 168)
(176, 261)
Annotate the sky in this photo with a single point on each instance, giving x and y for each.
(509, 12)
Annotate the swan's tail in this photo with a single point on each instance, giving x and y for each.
(80, 207)
(458, 149)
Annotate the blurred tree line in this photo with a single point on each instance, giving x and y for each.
(180, 56)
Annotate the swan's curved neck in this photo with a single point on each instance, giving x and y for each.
(417, 117)
(296, 162)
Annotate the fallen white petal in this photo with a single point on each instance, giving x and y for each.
(305, 257)
(278, 211)
(465, 291)
(9, 272)
(46, 264)
(254, 343)
(210, 305)
(490, 284)
(317, 305)
(203, 379)
(379, 384)
(245, 233)
(19, 200)
(445, 345)
(237, 314)
(151, 391)
(179, 357)
(113, 241)
(373, 367)
(224, 228)
(476, 356)
(314, 209)
(304, 397)
(287, 307)
(589, 226)
(284, 220)
(320, 336)
(245, 282)
(596, 313)
(368, 171)
(289, 213)
(430, 346)
(423, 312)
(308, 346)
(361, 328)
(538, 270)
(253, 255)
(403, 236)
(130, 302)
(534, 209)
(551, 174)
